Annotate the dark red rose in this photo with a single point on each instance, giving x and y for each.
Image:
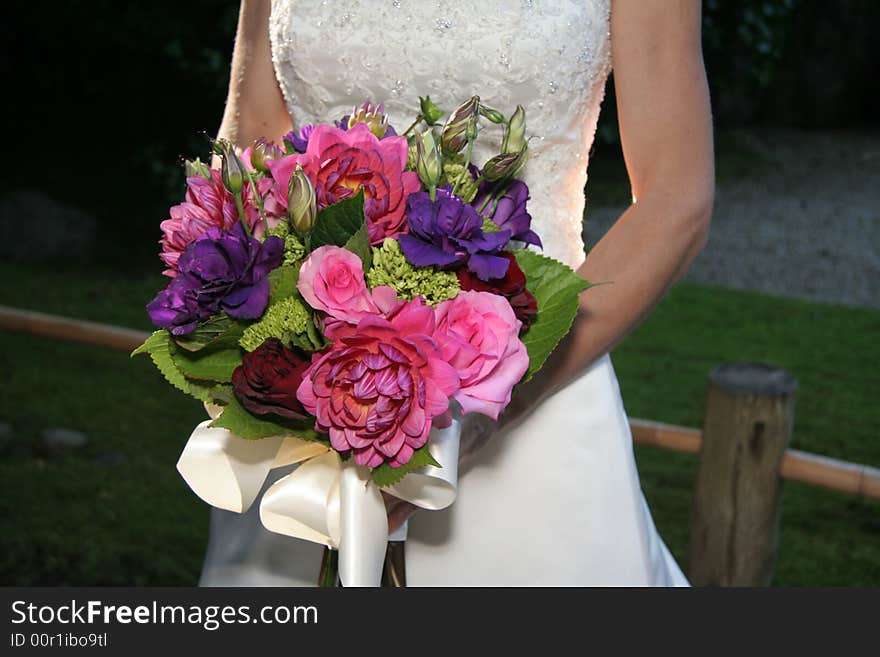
(267, 379)
(512, 286)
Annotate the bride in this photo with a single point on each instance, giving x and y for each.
(550, 495)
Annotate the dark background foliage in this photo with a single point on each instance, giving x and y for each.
(137, 85)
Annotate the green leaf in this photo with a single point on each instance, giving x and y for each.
(359, 244)
(208, 391)
(556, 288)
(243, 424)
(339, 222)
(156, 339)
(165, 356)
(282, 282)
(218, 332)
(385, 475)
(160, 347)
(208, 366)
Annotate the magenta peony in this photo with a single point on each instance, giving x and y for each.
(381, 386)
(478, 335)
(332, 280)
(341, 162)
(207, 205)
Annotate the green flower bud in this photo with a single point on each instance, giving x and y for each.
(515, 132)
(411, 155)
(428, 163)
(492, 114)
(505, 165)
(430, 112)
(302, 205)
(460, 122)
(259, 155)
(196, 167)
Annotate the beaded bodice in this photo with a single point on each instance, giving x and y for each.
(551, 56)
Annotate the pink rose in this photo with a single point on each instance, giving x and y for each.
(478, 335)
(341, 162)
(332, 280)
(381, 386)
(207, 205)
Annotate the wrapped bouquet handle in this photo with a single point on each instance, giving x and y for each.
(324, 500)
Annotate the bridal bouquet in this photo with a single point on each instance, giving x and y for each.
(339, 301)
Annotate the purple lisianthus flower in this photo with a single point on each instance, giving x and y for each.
(220, 271)
(508, 211)
(299, 141)
(447, 232)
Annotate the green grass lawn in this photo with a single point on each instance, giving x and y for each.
(116, 512)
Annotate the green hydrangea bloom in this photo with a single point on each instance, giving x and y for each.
(390, 267)
(294, 250)
(468, 188)
(411, 157)
(290, 321)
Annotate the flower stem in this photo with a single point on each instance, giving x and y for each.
(240, 205)
(414, 124)
(329, 575)
(466, 171)
(258, 199)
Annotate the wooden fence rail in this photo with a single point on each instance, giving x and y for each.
(852, 478)
(742, 447)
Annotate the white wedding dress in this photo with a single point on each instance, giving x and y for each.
(556, 500)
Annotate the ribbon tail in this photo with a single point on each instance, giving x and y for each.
(364, 528)
(224, 470)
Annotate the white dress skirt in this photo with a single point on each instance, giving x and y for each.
(554, 500)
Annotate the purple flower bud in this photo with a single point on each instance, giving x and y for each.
(262, 151)
(460, 122)
(506, 165)
(231, 169)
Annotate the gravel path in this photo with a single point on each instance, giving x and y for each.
(805, 225)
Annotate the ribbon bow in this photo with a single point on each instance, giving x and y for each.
(324, 500)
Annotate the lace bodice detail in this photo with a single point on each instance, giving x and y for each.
(551, 56)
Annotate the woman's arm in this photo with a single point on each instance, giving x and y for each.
(666, 134)
(255, 106)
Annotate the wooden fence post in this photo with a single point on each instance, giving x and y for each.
(737, 493)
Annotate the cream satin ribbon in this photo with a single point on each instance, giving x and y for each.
(324, 500)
